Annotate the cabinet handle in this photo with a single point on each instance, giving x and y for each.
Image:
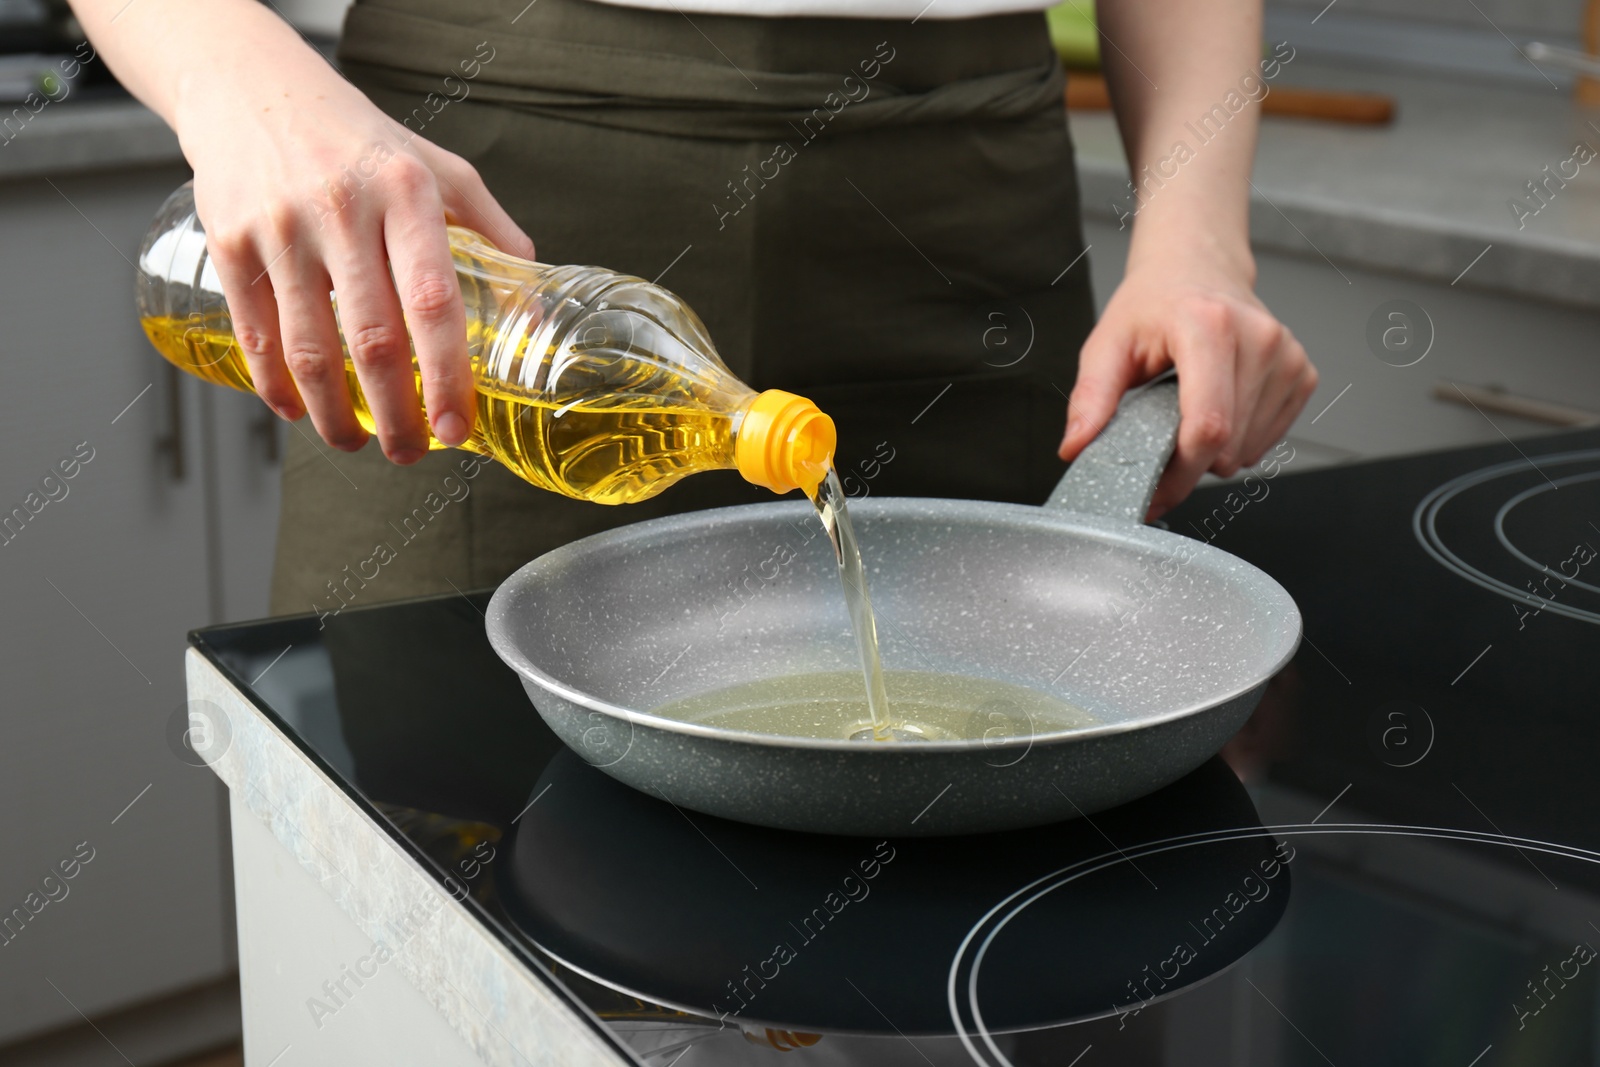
(265, 426)
(172, 441)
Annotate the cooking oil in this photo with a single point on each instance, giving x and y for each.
(615, 449)
(928, 705)
(590, 383)
(207, 353)
(832, 508)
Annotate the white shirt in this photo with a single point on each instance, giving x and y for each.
(864, 9)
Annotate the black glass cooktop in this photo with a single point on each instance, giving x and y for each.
(1388, 865)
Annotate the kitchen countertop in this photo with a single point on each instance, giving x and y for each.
(76, 136)
(1422, 196)
(96, 129)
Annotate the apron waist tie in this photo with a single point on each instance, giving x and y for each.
(681, 95)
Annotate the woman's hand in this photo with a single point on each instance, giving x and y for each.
(303, 187)
(1242, 376)
(1187, 298)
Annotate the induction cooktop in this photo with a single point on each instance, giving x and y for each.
(1390, 864)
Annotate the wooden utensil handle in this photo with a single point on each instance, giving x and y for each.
(1586, 91)
(1364, 109)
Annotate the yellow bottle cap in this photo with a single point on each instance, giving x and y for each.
(784, 442)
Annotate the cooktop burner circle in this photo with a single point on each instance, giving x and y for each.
(1528, 494)
(1449, 524)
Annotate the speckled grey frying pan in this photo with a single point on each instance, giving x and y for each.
(1167, 643)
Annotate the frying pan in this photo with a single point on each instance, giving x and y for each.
(1164, 642)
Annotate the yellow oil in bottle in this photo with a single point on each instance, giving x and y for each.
(591, 383)
(609, 455)
(615, 448)
(206, 353)
(928, 705)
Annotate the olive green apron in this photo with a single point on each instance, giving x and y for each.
(876, 214)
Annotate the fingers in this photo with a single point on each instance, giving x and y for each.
(1280, 421)
(311, 350)
(374, 328)
(254, 313)
(1273, 379)
(1243, 378)
(1106, 370)
(425, 278)
(425, 289)
(1261, 377)
(376, 320)
(1291, 384)
(468, 202)
(1205, 352)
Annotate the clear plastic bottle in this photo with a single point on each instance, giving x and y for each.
(592, 384)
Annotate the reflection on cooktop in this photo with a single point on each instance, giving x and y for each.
(803, 932)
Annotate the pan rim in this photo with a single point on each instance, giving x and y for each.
(513, 656)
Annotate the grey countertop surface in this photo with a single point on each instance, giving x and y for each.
(82, 134)
(1423, 196)
(74, 136)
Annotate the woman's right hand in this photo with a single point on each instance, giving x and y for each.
(303, 187)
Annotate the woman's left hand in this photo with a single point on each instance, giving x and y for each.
(1242, 376)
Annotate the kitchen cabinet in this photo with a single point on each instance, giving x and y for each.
(165, 523)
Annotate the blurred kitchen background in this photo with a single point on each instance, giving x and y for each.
(1400, 206)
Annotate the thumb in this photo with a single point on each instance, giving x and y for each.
(1106, 370)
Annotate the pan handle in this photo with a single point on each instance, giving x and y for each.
(1116, 475)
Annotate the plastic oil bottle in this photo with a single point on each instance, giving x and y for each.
(590, 383)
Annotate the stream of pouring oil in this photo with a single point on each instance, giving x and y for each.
(835, 515)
